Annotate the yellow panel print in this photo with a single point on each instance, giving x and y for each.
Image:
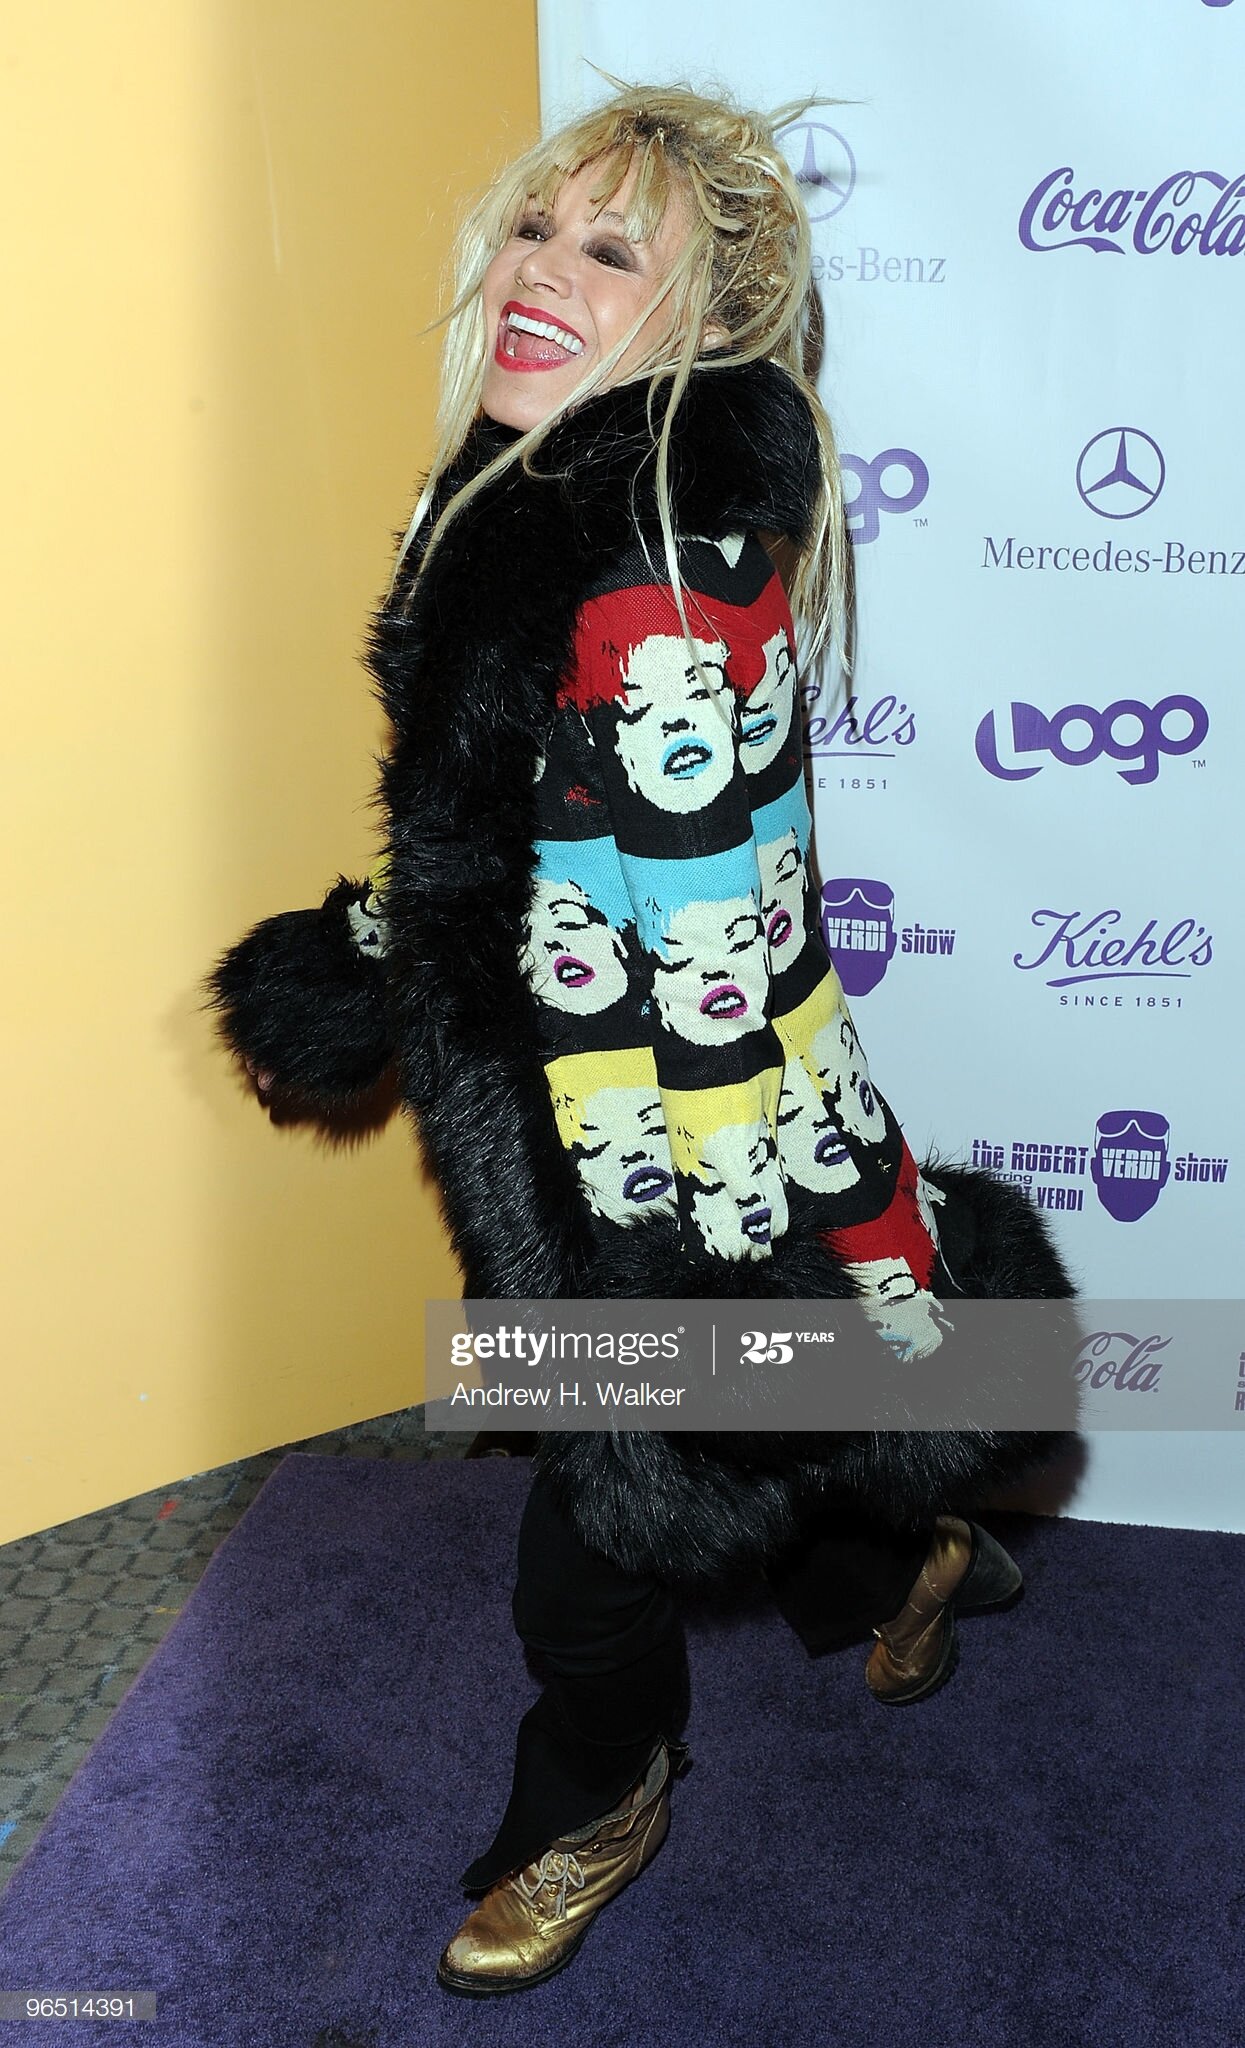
(609, 1116)
(820, 1034)
(724, 1148)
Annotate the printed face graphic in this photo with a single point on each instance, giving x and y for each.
(574, 958)
(623, 1154)
(782, 898)
(711, 973)
(741, 1158)
(928, 1200)
(905, 1315)
(675, 733)
(766, 717)
(809, 1140)
(840, 1066)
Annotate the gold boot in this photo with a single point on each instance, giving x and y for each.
(967, 1571)
(529, 1925)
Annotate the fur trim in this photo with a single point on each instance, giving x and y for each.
(689, 1507)
(299, 997)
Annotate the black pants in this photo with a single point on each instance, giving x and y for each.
(614, 1656)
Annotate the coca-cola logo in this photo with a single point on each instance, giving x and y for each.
(1126, 731)
(1115, 1358)
(1200, 213)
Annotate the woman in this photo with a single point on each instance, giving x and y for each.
(592, 947)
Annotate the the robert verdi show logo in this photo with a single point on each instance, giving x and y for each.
(1187, 213)
(861, 935)
(1128, 1165)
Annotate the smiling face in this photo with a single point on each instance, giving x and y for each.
(711, 975)
(782, 898)
(811, 1143)
(573, 958)
(623, 1154)
(563, 290)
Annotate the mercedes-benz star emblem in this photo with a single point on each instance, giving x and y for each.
(823, 163)
(1120, 472)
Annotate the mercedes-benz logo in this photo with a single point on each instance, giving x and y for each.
(1120, 472)
(823, 164)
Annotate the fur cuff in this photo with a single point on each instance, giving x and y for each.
(301, 997)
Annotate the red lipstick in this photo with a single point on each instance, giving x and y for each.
(535, 360)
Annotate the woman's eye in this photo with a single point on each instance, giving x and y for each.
(609, 253)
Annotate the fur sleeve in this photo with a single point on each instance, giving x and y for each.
(303, 995)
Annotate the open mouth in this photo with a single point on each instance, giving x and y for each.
(527, 340)
(724, 1001)
(685, 759)
(830, 1150)
(754, 731)
(779, 928)
(646, 1183)
(756, 1225)
(569, 972)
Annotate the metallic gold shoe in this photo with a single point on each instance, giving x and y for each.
(966, 1571)
(530, 1925)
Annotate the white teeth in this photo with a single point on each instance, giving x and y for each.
(547, 332)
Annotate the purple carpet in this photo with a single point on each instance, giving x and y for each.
(1049, 1853)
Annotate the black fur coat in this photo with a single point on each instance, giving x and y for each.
(467, 678)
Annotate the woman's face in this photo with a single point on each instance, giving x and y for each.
(574, 958)
(563, 291)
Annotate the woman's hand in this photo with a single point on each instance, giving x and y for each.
(265, 1081)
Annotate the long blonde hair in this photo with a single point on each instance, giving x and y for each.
(746, 266)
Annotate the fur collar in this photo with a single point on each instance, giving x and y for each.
(743, 453)
(511, 569)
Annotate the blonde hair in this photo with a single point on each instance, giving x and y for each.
(746, 266)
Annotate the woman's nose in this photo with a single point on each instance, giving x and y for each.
(545, 266)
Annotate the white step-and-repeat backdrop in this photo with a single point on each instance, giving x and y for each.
(1029, 225)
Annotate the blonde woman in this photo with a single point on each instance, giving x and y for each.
(592, 947)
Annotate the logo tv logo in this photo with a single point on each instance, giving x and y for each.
(1036, 732)
(823, 164)
(1120, 473)
(873, 495)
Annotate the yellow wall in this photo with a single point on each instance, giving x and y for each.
(227, 220)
